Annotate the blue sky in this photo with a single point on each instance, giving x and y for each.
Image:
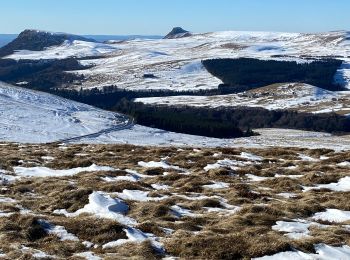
(159, 16)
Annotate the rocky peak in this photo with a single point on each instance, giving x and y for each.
(177, 32)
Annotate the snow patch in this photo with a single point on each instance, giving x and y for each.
(323, 252)
(251, 157)
(344, 164)
(138, 195)
(287, 195)
(88, 256)
(67, 49)
(6, 179)
(332, 215)
(179, 212)
(158, 186)
(7, 200)
(161, 164)
(136, 236)
(226, 163)
(255, 178)
(342, 185)
(103, 205)
(307, 158)
(58, 231)
(294, 230)
(5, 214)
(120, 178)
(217, 185)
(47, 172)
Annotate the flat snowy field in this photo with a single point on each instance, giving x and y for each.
(176, 63)
(140, 135)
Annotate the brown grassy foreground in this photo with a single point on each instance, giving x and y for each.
(221, 234)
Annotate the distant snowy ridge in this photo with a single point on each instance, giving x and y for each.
(125, 63)
(67, 49)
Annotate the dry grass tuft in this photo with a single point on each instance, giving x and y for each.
(230, 246)
(22, 227)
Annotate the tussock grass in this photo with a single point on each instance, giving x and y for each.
(143, 251)
(85, 228)
(151, 210)
(21, 227)
(283, 184)
(246, 233)
(230, 246)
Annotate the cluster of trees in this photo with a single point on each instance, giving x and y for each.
(107, 97)
(243, 118)
(40, 74)
(246, 73)
(190, 121)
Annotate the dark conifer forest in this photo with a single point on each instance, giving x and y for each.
(254, 73)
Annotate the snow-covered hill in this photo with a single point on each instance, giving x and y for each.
(175, 63)
(300, 97)
(31, 116)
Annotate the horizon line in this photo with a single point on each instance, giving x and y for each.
(156, 35)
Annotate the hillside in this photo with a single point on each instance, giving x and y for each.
(31, 116)
(176, 64)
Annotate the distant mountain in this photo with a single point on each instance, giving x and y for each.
(35, 40)
(7, 38)
(177, 32)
